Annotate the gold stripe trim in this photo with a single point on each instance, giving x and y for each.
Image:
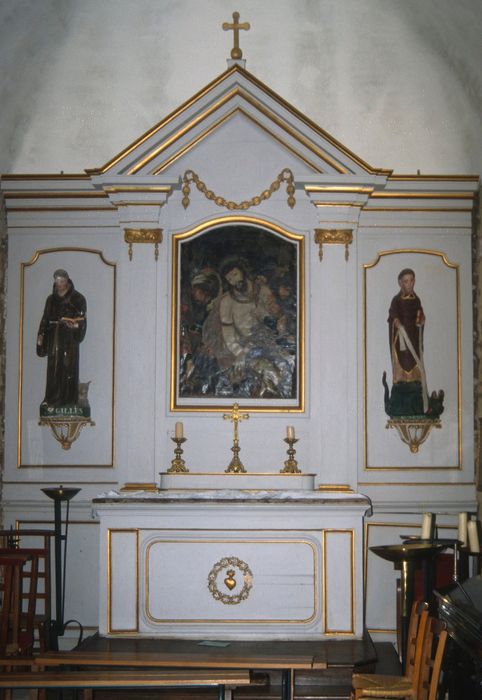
(440, 178)
(345, 488)
(23, 267)
(141, 188)
(314, 189)
(327, 631)
(167, 163)
(164, 122)
(236, 92)
(312, 125)
(185, 129)
(208, 88)
(357, 205)
(45, 176)
(423, 195)
(53, 195)
(110, 533)
(420, 209)
(72, 208)
(416, 483)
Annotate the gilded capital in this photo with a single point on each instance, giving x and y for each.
(341, 236)
(143, 235)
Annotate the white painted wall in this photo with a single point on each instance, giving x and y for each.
(398, 82)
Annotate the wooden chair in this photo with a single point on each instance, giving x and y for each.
(37, 598)
(371, 685)
(432, 657)
(425, 681)
(16, 629)
(19, 574)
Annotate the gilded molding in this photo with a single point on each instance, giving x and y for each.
(260, 125)
(351, 535)
(110, 533)
(343, 488)
(143, 235)
(414, 440)
(342, 236)
(139, 486)
(285, 176)
(20, 379)
(228, 620)
(251, 79)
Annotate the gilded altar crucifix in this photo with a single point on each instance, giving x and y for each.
(236, 53)
(235, 466)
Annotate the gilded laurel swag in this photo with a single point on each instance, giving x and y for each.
(285, 176)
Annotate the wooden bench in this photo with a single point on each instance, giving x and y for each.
(258, 657)
(114, 678)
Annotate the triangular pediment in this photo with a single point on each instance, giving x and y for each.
(235, 117)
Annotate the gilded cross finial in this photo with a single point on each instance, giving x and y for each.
(236, 52)
(235, 417)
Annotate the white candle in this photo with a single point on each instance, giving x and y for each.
(473, 534)
(290, 432)
(462, 534)
(179, 430)
(427, 526)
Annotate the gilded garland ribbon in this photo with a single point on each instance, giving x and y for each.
(285, 176)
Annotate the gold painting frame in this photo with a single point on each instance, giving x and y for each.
(222, 226)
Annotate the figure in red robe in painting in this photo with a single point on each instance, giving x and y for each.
(406, 323)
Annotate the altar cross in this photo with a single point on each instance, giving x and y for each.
(236, 52)
(235, 417)
(235, 466)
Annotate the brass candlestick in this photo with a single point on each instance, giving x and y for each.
(178, 465)
(291, 465)
(235, 465)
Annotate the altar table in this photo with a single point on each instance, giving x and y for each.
(231, 564)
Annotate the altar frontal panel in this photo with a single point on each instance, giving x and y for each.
(228, 580)
(231, 585)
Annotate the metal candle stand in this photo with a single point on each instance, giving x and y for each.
(178, 465)
(57, 626)
(291, 465)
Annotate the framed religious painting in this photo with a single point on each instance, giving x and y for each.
(66, 370)
(238, 317)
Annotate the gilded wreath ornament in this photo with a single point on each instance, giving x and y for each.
(230, 564)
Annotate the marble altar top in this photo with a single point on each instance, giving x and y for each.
(233, 496)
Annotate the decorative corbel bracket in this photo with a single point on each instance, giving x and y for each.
(413, 432)
(66, 430)
(342, 236)
(143, 235)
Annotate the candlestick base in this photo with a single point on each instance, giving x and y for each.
(291, 465)
(235, 465)
(178, 465)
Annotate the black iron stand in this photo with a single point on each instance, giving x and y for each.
(57, 626)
